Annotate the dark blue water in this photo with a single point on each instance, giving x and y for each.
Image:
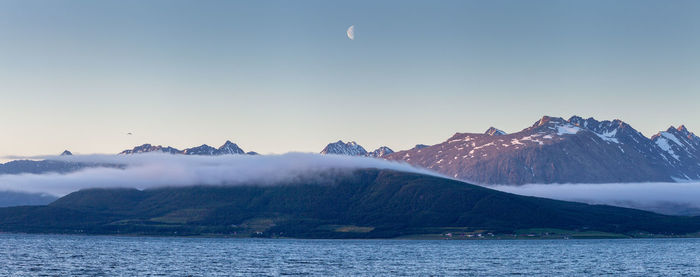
(129, 256)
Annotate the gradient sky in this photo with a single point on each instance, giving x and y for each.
(278, 76)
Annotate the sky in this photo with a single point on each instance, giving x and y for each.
(280, 76)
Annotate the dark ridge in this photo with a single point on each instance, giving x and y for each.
(359, 204)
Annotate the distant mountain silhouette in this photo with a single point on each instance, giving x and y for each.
(12, 198)
(227, 148)
(353, 149)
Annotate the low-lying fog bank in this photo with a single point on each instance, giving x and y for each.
(151, 170)
(666, 198)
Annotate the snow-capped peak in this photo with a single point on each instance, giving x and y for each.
(609, 131)
(380, 152)
(341, 148)
(225, 149)
(229, 148)
(684, 132)
(200, 150)
(146, 147)
(557, 125)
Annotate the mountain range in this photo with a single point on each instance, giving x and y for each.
(373, 203)
(552, 150)
(353, 149)
(60, 166)
(555, 150)
(42, 166)
(228, 148)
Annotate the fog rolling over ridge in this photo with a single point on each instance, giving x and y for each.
(152, 170)
(665, 198)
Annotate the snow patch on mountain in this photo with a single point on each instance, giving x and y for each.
(671, 137)
(567, 129)
(663, 144)
(608, 136)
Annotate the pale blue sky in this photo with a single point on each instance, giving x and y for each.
(278, 76)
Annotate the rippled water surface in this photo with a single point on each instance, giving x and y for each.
(129, 256)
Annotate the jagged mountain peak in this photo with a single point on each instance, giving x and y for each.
(351, 148)
(553, 126)
(66, 153)
(566, 151)
(228, 142)
(204, 149)
(683, 131)
(200, 150)
(549, 120)
(588, 123)
(672, 129)
(380, 152)
(688, 134)
(229, 148)
(591, 122)
(492, 131)
(609, 130)
(678, 135)
(420, 146)
(147, 147)
(342, 148)
(680, 149)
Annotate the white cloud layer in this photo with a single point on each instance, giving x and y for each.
(668, 198)
(151, 170)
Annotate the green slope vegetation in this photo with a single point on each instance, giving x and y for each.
(360, 204)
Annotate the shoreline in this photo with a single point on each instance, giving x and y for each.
(421, 237)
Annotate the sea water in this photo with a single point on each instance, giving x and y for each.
(68, 255)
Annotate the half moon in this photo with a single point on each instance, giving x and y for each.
(351, 32)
